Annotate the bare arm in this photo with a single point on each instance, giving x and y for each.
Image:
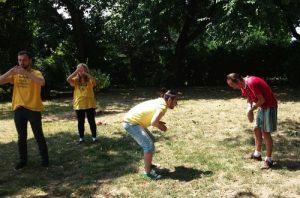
(38, 80)
(251, 108)
(71, 76)
(4, 77)
(156, 121)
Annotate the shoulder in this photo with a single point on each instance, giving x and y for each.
(36, 72)
(161, 102)
(253, 79)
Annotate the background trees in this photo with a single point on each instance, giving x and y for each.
(148, 43)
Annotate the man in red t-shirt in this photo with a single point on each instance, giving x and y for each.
(259, 96)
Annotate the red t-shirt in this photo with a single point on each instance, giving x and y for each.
(257, 86)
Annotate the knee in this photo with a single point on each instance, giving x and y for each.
(149, 148)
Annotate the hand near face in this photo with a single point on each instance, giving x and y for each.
(79, 69)
(18, 70)
(13, 70)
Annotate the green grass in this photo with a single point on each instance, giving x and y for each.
(201, 154)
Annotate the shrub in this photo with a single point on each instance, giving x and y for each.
(103, 80)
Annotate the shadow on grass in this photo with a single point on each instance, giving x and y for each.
(6, 114)
(286, 145)
(245, 195)
(79, 168)
(292, 165)
(182, 173)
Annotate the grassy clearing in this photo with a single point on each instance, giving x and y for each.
(201, 155)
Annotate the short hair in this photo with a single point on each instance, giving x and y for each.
(234, 77)
(23, 52)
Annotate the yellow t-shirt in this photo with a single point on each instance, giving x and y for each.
(84, 97)
(142, 113)
(26, 93)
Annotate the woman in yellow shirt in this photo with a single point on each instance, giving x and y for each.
(143, 115)
(84, 102)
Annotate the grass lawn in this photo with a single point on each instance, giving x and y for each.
(201, 154)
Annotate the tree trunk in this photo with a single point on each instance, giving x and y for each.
(78, 29)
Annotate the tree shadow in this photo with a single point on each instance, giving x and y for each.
(84, 167)
(291, 165)
(6, 114)
(287, 94)
(286, 145)
(182, 173)
(245, 195)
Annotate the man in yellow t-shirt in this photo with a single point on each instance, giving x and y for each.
(143, 115)
(27, 105)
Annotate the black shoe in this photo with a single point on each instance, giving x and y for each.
(20, 165)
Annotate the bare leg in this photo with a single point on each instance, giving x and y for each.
(148, 161)
(269, 143)
(258, 139)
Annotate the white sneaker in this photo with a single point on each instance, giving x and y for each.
(152, 175)
(81, 140)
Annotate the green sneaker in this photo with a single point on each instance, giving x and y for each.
(152, 175)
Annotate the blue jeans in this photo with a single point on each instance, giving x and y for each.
(141, 136)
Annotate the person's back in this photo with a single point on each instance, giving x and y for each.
(258, 86)
(142, 113)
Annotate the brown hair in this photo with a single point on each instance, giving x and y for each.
(85, 78)
(166, 94)
(234, 77)
(23, 52)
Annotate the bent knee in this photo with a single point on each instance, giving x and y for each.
(149, 148)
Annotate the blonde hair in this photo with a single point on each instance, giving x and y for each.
(87, 70)
(85, 67)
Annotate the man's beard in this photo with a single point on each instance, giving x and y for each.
(26, 67)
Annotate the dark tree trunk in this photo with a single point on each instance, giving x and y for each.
(78, 29)
(189, 32)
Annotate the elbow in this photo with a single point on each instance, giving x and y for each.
(42, 82)
(154, 123)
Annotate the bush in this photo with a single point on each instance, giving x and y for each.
(292, 68)
(103, 80)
